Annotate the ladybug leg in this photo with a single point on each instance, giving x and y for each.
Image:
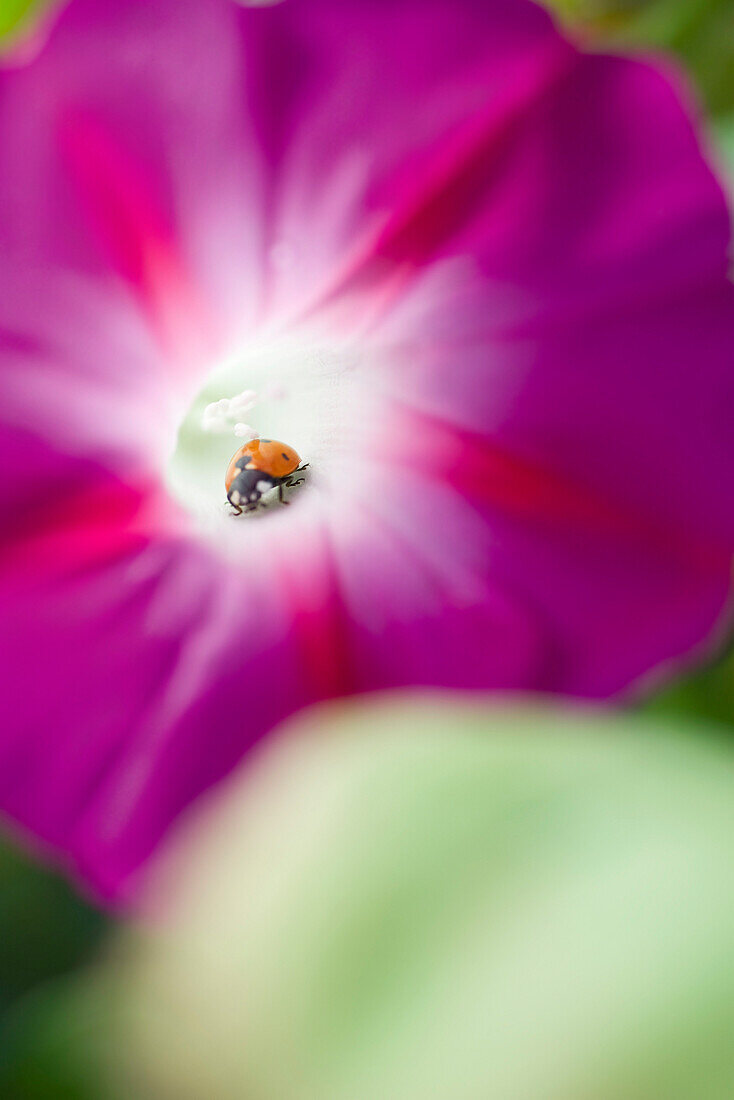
(289, 480)
(237, 510)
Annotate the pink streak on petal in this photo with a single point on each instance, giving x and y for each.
(321, 627)
(480, 469)
(137, 672)
(127, 156)
(351, 101)
(137, 237)
(440, 190)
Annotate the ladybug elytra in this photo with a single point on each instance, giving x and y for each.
(256, 468)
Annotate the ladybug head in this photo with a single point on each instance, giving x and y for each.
(248, 487)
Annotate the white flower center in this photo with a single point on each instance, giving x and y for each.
(304, 392)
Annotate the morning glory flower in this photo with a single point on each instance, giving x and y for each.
(476, 279)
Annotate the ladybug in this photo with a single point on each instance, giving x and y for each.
(256, 468)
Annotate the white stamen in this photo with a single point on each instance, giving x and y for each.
(215, 416)
(244, 431)
(218, 415)
(242, 402)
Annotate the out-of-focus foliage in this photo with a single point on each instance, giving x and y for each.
(28, 955)
(709, 694)
(46, 931)
(699, 32)
(13, 13)
(48, 1045)
(430, 901)
(724, 134)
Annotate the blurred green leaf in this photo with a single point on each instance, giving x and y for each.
(46, 932)
(45, 928)
(14, 12)
(699, 32)
(48, 1047)
(724, 138)
(708, 694)
(445, 902)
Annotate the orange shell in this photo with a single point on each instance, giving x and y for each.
(268, 455)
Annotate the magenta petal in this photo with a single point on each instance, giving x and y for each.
(570, 350)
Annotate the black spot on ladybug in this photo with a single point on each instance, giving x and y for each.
(285, 456)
